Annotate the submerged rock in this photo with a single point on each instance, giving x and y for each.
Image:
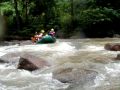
(102, 60)
(118, 57)
(70, 75)
(112, 46)
(31, 62)
(2, 61)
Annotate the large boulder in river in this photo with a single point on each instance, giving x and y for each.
(31, 62)
(74, 76)
(112, 46)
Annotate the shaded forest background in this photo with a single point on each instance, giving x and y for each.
(85, 18)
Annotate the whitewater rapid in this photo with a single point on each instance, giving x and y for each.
(88, 54)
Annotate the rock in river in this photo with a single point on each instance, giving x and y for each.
(2, 61)
(71, 75)
(118, 57)
(112, 46)
(31, 62)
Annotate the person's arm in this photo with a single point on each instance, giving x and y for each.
(40, 35)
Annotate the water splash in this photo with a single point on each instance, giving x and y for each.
(67, 55)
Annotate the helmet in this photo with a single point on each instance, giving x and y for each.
(42, 31)
(52, 29)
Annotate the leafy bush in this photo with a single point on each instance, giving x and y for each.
(98, 21)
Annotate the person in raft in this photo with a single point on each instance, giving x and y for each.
(37, 36)
(34, 38)
(41, 34)
(52, 32)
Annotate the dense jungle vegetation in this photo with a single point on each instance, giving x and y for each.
(93, 18)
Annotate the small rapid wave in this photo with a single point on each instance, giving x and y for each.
(109, 79)
(13, 79)
(58, 47)
(86, 54)
(24, 80)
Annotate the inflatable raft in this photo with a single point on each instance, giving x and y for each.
(46, 39)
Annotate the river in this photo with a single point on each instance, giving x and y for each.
(78, 54)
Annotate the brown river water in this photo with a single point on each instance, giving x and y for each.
(83, 64)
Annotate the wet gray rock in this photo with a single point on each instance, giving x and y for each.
(103, 59)
(26, 64)
(118, 57)
(2, 61)
(74, 76)
(31, 62)
(112, 46)
(25, 60)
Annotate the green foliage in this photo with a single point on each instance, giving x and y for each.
(99, 16)
(99, 20)
(6, 8)
(93, 16)
(115, 4)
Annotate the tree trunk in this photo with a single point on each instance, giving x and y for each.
(25, 9)
(2, 26)
(17, 14)
(72, 14)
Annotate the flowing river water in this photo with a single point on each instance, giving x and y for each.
(103, 73)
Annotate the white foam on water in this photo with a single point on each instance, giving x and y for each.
(63, 47)
(94, 48)
(7, 66)
(100, 80)
(24, 80)
(60, 49)
(113, 69)
(13, 79)
(7, 49)
(1, 54)
(1, 51)
(110, 77)
(42, 47)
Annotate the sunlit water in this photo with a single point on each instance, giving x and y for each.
(80, 53)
